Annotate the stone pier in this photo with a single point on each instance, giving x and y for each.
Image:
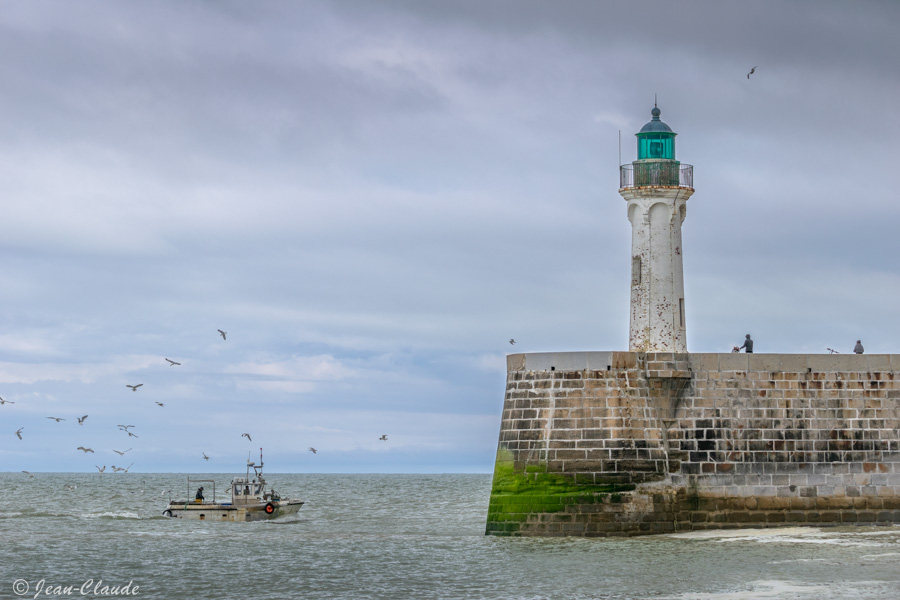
(628, 443)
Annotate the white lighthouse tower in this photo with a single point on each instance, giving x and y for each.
(656, 188)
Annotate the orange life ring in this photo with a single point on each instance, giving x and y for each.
(270, 508)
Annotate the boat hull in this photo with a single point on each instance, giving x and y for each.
(221, 511)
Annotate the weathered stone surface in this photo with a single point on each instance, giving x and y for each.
(722, 440)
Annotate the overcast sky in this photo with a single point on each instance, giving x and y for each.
(372, 198)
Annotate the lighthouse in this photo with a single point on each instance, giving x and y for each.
(656, 188)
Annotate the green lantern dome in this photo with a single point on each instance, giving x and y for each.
(656, 140)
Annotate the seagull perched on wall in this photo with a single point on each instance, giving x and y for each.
(85, 450)
(19, 432)
(222, 333)
(134, 387)
(172, 363)
(247, 435)
(122, 453)
(383, 438)
(81, 420)
(57, 419)
(2, 402)
(752, 71)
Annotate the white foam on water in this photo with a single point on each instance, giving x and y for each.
(114, 515)
(892, 530)
(758, 589)
(791, 561)
(787, 535)
(742, 533)
(883, 555)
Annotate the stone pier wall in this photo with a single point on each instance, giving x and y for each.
(621, 443)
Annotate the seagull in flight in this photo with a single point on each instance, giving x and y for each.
(19, 432)
(511, 341)
(57, 419)
(313, 450)
(222, 333)
(160, 403)
(383, 438)
(81, 420)
(122, 453)
(85, 450)
(752, 71)
(172, 363)
(2, 402)
(101, 469)
(247, 435)
(205, 457)
(134, 387)
(124, 427)
(131, 434)
(71, 488)
(29, 473)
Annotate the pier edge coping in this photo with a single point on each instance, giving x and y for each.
(726, 361)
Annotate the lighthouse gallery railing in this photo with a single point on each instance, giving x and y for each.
(663, 174)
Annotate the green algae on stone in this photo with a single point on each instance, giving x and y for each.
(517, 495)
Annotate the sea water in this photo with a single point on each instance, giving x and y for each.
(394, 537)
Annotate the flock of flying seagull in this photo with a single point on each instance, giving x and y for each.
(125, 428)
(173, 363)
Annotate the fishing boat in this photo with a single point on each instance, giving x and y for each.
(249, 500)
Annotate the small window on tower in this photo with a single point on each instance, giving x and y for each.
(681, 311)
(636, 270)
(656, 149)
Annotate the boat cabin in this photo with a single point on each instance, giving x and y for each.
(244, 491)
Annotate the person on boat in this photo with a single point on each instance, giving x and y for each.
(199, 495)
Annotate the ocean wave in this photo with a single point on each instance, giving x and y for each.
(787, 535)
(120, 515)
(758, 589)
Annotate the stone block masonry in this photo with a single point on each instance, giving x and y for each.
(629, 443)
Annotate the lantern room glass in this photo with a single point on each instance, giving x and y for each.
(656, 145)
